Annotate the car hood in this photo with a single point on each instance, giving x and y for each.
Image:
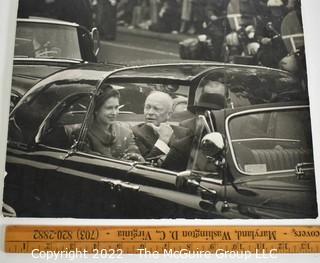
(36, 71)
(24, 76)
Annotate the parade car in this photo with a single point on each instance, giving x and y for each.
(250, 154)
(44, 46)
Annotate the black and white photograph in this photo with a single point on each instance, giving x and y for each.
(160, 109)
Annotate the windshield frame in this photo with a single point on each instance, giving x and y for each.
(50, 25)
(253, 111)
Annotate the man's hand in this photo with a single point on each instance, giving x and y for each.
(164, 130)
(265, 41)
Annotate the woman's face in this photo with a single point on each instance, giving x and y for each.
(108, 112)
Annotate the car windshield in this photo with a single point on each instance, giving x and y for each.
(41, 40)
(233, 87)
(270, 141)
(134, 94)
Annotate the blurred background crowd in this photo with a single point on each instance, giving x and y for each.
(263, 32)
(170, 16)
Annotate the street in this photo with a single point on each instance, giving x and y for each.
(129, 47)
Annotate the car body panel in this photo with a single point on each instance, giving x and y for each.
(75, 183)
(29, 68)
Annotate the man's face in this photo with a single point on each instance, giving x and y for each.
(156, 109)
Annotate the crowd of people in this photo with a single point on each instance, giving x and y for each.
(170, 16)
(233, 27)
(190, 16)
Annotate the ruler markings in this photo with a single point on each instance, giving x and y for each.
(285, 239)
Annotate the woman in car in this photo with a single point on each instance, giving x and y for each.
(106, 136)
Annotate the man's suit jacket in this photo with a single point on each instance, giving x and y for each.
(146, 137)
(179, 154)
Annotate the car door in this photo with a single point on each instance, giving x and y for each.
(271, 162)
(30, 186)
(35, 166)
(81, 191)
(109, 187)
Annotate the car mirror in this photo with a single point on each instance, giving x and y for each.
(213, 144)
(96, 40)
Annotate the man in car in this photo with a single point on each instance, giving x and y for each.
(155, 137)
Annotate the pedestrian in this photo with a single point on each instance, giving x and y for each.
(107, 18)
(78, 11)
(154, 7)
(186, 13)
(168, 17)
(198, 16)
(140, 13)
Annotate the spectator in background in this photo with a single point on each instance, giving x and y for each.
(186, 12)
(26, 8)
(45, 8)
(78, 11)
(140, 13)
(168, 20)
(107, 18)
(153, 8)
(278, 11)
(125, 11)
(198, 16)
(217, 8)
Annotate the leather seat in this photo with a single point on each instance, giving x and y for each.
(281, 159)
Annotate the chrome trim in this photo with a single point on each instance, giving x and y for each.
(204, 63)
(120, 184)
(255, 111)
(211, 180)
(103, 158)
(66, 60)
(139, 166)
(265, 139)
(47, 21)
(130, 166)
(155, 169)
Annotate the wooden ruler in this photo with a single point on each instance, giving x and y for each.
(162, 239)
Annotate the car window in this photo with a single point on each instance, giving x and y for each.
(41, 40)
(86, 45)
(271, 141)
(35, 106)
(237, 87)
(120, 139)
(133, 96)
(199, 162)
(61, 129)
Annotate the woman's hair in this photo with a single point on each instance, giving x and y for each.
(106, 92)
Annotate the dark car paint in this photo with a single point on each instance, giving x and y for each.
(70, 183)
(28, 71)
(277, 193)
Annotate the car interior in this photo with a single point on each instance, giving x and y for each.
(262, 144)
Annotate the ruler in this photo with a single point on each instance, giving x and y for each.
(162, 239)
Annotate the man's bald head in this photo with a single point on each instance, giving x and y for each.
(158, 107)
